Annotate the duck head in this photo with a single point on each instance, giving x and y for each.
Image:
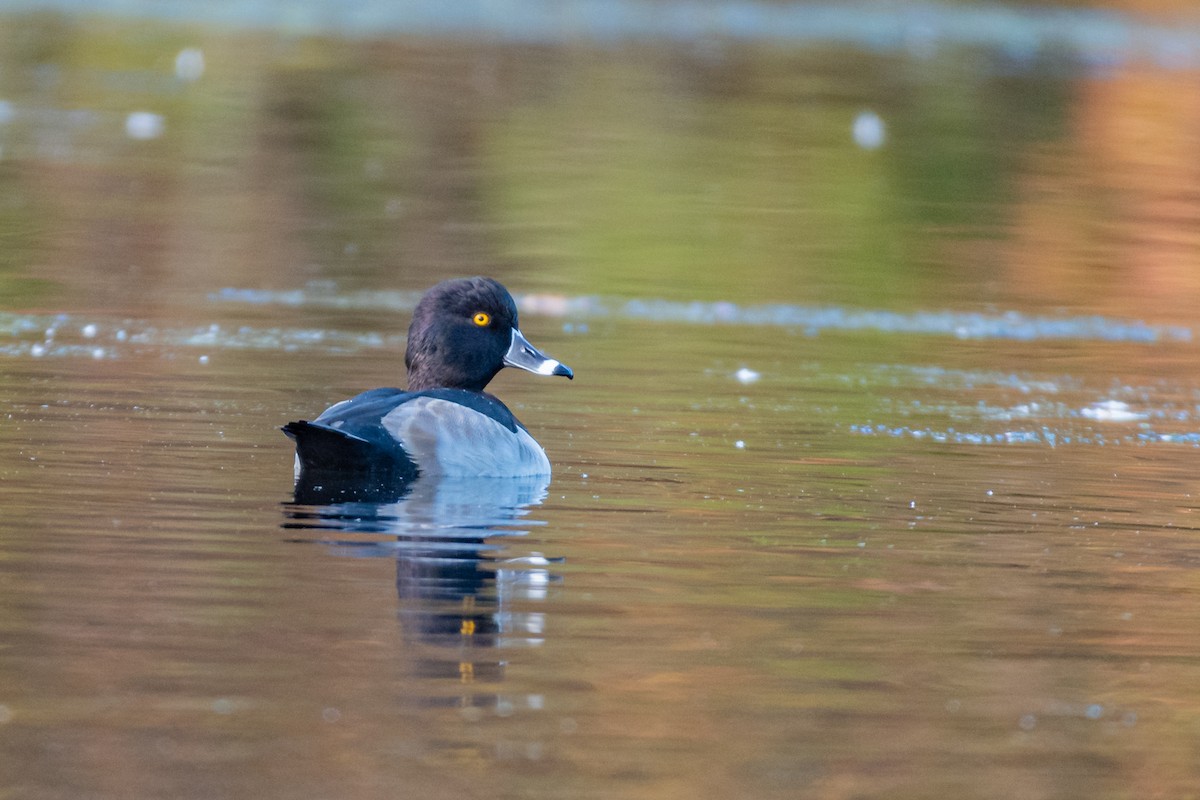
(463, 332)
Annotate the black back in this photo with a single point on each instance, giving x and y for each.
(349, 438)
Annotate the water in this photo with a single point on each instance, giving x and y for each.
(875, 480)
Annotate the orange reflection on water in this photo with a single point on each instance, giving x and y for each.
(1114, 211)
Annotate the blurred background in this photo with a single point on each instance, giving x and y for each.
(880, 153)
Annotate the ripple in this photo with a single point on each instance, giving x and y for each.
(1051, 411)
(48, 336)
(1045, 436)
(1012, 325)
(68, 336)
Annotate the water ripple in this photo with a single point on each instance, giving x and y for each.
(1046, 436)
(74, 336)
(811, 319)
(1151, 415)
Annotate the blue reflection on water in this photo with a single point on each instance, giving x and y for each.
(1035, 436)
(1096, 37)
(65, 335)
(461, 602)
(811, 319)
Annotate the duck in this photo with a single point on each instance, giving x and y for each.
(463, 332)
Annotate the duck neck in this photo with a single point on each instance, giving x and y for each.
(419, 381)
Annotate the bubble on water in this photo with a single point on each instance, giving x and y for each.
(203, 359)
(189, 64)
(37, 350)
(89, 331)
(1094, 711)
(869, 130)
(739, 444)
(98, 353)
(746, 375)
(144, 125)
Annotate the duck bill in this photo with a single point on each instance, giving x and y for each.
(522, 355)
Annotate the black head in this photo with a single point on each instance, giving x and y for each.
(465, 331)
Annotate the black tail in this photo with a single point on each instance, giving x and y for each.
(332, 452)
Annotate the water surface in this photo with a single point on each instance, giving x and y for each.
(875, 480)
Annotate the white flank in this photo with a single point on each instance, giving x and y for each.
(445, 438)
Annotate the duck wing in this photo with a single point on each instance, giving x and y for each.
(349, 437)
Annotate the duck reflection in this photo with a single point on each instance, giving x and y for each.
(461, 601)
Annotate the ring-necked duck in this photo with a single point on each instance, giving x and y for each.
(463, 332)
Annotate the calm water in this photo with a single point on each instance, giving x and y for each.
(876, 478)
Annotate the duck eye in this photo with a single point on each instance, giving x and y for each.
(481, 319)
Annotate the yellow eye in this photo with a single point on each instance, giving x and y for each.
(481, 319)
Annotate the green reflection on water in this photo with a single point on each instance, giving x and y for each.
(724, 175)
